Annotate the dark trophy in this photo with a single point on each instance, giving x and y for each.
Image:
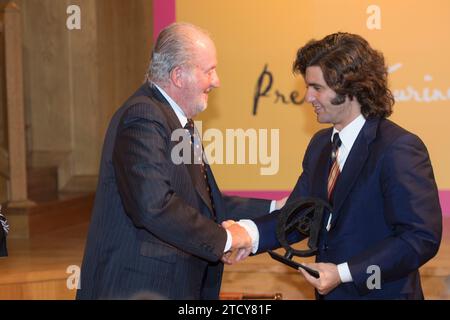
(304, 216)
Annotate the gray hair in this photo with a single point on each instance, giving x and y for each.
(173, 48)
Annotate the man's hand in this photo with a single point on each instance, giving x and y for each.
(241, 243)
(280, 203)
(240, 237)
(232, 257)
(226, 258)
(329, 276)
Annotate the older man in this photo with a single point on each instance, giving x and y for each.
(155, 226)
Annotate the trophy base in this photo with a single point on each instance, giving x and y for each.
(293, 264)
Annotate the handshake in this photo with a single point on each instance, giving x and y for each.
(242, 242)
(241, 245)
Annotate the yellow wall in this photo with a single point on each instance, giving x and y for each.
(252, 33)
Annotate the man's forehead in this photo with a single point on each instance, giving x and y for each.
(314, 74)
(201, 42)
(204, 51)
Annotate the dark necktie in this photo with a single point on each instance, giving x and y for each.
(201, 179)
(334, 171)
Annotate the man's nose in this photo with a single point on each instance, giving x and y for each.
(215, 81)
(310, 97)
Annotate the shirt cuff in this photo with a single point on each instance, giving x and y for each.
(229, 241)
(252, 231)
(344, 272)
(273, 205)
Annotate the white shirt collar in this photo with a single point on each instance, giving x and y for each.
(349, 134)
(175, 107)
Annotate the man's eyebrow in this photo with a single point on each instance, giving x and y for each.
(314, 84)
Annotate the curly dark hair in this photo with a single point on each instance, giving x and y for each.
(351, 68)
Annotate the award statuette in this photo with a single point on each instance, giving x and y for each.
(304, 216)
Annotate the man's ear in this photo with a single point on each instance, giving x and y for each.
(176, 76)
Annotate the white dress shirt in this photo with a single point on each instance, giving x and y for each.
(348, 136)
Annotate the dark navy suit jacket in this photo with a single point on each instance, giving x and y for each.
(386, 210)
(152, 229)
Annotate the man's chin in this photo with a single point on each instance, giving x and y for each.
(322, 119)
(202, 107)
(199, 109)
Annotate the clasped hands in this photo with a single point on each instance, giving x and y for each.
(241, 248)
(241, 245)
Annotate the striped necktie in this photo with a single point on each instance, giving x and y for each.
(198, 163)
(334, 171)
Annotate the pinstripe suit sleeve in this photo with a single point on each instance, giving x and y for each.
(141, 160)
(245, 208)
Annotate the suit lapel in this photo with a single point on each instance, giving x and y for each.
(354, 164)
(174, 123)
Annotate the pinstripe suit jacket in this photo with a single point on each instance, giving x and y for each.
(151, 231)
